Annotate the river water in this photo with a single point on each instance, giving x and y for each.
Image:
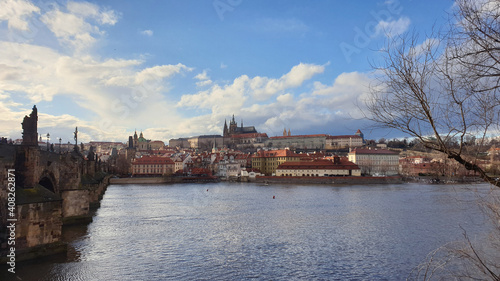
(233, 231)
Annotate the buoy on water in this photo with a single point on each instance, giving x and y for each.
(274, 197)
(207, 189)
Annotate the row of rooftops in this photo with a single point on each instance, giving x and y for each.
(344, 164)
(264, 135)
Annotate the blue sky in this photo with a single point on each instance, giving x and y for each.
(180, 68)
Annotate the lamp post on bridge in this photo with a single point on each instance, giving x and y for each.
(48, 138)
(60, 139)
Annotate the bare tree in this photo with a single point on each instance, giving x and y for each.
(443, 90)
(474, 41)
(425, 92)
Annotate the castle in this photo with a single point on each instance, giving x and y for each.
(233, 129)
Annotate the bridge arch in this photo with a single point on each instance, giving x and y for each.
(48, 181)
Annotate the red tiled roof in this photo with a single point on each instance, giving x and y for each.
(343, 137)
(253, 170)
(299, 136)
(318, 164)
(153, 160)
(374, 151)
(241, 156)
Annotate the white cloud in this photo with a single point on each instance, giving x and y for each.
(43, 74)
(147, 32)
(204, 79)
(202, 76)
(316, 107)
(262, 87)
(204, 83)
(73, 27)
(159, 72)
(392, 28)
(117, 95)
(227, 98)
(89, 10)
(70, 29)
(17, 13)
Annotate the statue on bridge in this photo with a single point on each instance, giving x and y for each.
(30, 125)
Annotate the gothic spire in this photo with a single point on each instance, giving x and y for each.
(225, 131)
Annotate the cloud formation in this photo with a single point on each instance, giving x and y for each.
(147, 32)
(392, 28)
(108, 98)
(16, 13)
(273, 103)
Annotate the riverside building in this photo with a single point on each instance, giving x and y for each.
(152, 166)
(268, 161)
(376, 161)
(318, 168)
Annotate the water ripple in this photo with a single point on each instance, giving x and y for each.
(237, 231)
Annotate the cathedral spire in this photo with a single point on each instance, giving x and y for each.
(225, 130)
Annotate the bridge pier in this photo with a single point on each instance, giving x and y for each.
(75, 206)
(51, 190)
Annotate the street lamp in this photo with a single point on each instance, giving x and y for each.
(48, 138)
(60, 145)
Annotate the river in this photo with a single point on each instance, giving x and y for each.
(233, 231)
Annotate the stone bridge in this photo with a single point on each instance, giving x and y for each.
(52, 190)
(70, 177)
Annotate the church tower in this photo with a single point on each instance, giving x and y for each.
(233, 126)
(136, 139)
(225, 132)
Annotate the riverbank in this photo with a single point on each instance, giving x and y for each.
(330, 180)
(142, 180)
(162, 180)
(261, 179)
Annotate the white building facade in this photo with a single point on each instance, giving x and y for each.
(373, 161)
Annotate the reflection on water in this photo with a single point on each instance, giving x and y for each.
(238, 231)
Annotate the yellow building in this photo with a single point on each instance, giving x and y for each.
(268, 161)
